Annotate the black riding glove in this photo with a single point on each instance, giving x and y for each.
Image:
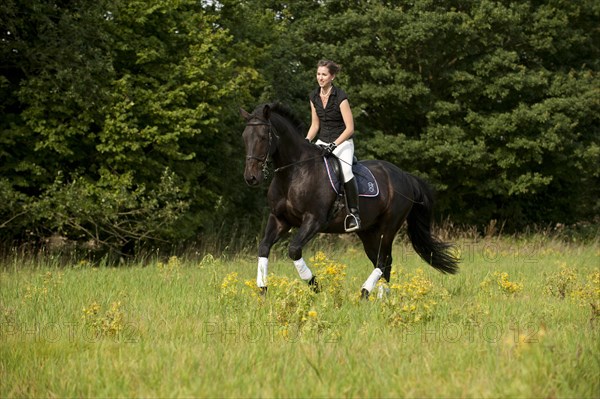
(328, 148)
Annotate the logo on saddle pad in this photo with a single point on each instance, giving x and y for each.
(367, 185)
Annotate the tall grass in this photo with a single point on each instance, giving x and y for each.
(520, 320)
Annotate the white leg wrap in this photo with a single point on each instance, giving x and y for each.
(303, 270)
(261, 274)
(372, 280)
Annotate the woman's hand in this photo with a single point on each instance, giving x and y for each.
(328, 148)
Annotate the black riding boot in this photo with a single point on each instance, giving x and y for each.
(352, 221)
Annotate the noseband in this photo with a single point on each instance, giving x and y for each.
(264, 159)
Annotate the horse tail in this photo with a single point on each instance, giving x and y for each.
(433, 251)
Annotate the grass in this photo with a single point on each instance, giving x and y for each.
(520, 320)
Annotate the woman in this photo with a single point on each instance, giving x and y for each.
(332, 120)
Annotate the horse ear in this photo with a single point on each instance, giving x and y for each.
(267, 111)
(244, 114)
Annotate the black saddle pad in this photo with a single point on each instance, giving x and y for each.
(367, 185)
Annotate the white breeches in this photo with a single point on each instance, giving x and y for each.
(345, 152)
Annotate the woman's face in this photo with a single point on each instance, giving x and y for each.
(324, 78)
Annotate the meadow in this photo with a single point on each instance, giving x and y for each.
(521, 319)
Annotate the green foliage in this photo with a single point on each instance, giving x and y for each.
(106, 101)
(495, 103)
(113, 210)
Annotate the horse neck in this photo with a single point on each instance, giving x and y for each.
(290, 145)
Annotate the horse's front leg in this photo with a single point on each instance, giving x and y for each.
(276, 227)
(311, 225)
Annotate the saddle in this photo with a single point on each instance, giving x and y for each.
(367, 185)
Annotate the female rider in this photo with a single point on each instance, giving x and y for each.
(331, 118)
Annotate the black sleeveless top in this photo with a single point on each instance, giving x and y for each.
(331, 120)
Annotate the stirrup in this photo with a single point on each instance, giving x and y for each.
(349, 218)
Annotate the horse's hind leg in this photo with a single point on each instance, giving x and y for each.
(378, 248)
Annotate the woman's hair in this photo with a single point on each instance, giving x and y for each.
(331, 66)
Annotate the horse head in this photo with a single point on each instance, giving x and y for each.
(258, 139)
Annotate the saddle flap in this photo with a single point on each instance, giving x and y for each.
(367, 184)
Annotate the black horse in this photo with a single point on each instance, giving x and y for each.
(300, 196)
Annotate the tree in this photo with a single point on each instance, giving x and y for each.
(119, 120)
(494, 102)
(121, 106)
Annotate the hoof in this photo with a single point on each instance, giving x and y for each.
(364, 294)
(263, 291)
(314, 285)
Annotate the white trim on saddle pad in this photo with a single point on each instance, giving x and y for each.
(367, 184)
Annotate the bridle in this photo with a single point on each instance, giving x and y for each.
(260, 122)
(264, 160)
(272, 135)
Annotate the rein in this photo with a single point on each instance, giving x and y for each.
(265, 159)
(296, 163)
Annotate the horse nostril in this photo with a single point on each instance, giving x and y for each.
(251, 180)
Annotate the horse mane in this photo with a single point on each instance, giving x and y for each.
(286, 113)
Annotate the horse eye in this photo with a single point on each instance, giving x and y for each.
(262, 134)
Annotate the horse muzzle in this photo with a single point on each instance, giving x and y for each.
(253, 173)
(252, 180)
